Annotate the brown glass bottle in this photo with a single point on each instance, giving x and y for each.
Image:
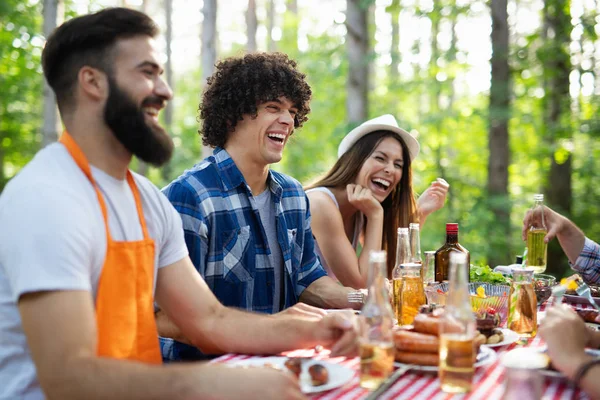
(442, 255)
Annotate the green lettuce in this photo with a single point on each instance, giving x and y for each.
(483, 273)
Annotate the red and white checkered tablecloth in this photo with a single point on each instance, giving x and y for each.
(488, 382)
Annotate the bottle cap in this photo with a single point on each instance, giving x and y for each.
(451, 227)
(538, 197)
(413, 225)
(402, 231)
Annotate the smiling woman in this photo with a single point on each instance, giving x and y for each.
(365, 196)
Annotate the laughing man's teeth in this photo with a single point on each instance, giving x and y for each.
(151, 110)
(381, 181)
(277, 136)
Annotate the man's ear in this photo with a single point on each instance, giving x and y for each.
(93, 82)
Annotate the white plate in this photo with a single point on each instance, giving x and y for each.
(509, 338)
(595, 327)
(485, 356)
(338, 374)
(551, 373)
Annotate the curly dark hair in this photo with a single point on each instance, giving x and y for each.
(240, 84)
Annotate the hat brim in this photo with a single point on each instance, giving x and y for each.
(362, 130)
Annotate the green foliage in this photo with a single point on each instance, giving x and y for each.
(431, 100)
(483, 273)
(20, 83)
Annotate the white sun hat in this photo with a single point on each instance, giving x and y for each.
(385, 122)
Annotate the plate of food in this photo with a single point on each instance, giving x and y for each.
(501, 337)
(418, 345)
(551, 373)
(314, 375)
(486, 356)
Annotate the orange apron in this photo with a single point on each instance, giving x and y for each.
(124, 299)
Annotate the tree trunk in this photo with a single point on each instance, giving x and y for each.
(292, 28)
(357, 47)
(557, 67)
(53, 16)
(167, 170)
(251, 26)
(209, 48)
(498, 142)
(271, 45)
(394, 10)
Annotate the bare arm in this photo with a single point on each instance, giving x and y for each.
(328, 228)
(326, 293)
(61, 334)
(213, 328)
(567, 336)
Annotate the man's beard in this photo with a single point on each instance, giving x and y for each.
(149, 143)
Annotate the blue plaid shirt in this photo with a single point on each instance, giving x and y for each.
(227, 242)
(588, 262)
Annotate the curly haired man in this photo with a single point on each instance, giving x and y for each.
(247, 227)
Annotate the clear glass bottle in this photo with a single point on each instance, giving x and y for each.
(442, 255)
(412, 293)
(402, 257)
(414, 233)
(457, 331)
(429, 267)
(537, 249)
(376, 322)
(522, 303)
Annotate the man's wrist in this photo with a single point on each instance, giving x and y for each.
(573, 365)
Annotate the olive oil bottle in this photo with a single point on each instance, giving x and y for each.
(537, 249)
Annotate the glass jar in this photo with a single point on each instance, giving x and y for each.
(412, 294)
(522, 303)
(376, 323)
(522, 380)
(428, 274)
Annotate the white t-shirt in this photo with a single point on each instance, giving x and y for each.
(53, 237)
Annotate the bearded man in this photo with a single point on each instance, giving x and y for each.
(87, 246)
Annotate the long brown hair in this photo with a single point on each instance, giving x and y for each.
(399, 208)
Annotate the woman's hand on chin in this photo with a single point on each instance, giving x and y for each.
(363, 200)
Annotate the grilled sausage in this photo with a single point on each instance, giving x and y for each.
(415, 342)
(318, 374)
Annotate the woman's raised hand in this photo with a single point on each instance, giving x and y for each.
(433, 198)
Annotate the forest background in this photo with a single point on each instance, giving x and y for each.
(502, 95)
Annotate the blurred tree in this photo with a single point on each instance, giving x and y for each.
(499, 152)
(271, 44)
(166, 170)
(209, 48)
(394, 10)
(251, 26)
(53, 16)
(359, 56)
(555, 59)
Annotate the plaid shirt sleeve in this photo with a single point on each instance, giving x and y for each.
(588, 262)
(185, 201)
(310, 268)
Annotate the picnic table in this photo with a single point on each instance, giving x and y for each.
(488, 383)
